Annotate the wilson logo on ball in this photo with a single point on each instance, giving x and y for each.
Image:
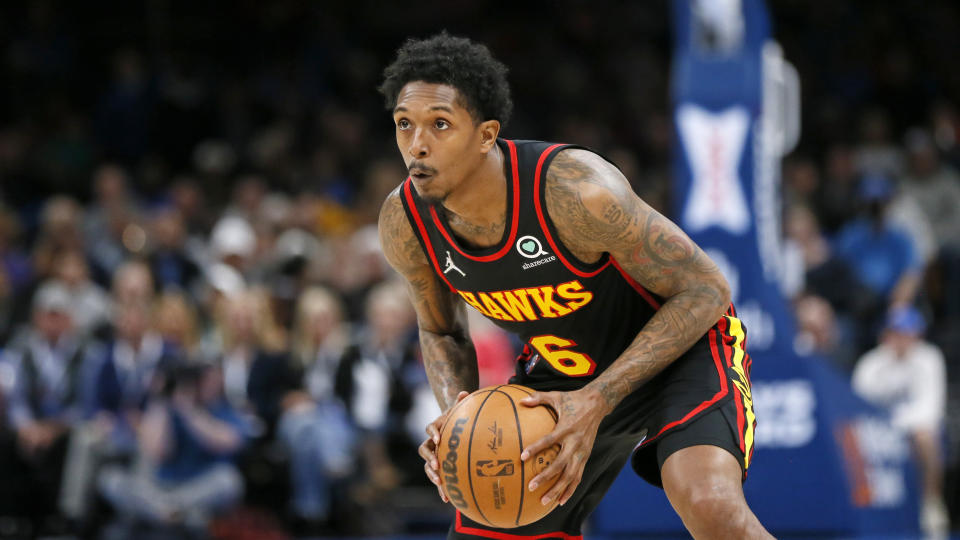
(500, 467)
(450, 466)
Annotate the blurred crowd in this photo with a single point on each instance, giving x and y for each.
(195, 315)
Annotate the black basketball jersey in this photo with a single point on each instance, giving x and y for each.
(575, 318)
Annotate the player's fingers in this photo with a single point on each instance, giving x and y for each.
(442, 496)
(559, 464)
(427, 451)
(546, 441)
(567, 482)
(432, 475)
(462, 395)
(573, 485)
(536, 398)
(433, 432)
(553, 470)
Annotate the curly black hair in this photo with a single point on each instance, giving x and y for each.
(469, 67)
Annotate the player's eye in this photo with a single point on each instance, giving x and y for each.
(441, 124)
(403, 123)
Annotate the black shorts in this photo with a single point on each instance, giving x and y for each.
(703, 398)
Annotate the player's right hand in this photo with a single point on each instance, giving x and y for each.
(428, 449)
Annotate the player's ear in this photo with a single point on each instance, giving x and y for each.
(489, 129)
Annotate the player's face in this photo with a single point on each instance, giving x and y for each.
(437, 136)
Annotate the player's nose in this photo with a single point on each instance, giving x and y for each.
(418, 145)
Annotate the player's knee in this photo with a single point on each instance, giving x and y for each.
(709, 500)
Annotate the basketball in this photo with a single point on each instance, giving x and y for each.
(479, 454)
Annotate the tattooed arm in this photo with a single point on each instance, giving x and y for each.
(595, 211)
(600, 213)
(448, 354)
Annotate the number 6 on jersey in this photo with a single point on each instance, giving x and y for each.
(556, 351)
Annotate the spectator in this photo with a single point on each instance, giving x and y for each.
(126, 373)
(133, 284)
(257, 373)
(90, 303)
(907, 376)
(824, 274)
(48, 361)
(187, 444)
(378, 380)
(935, 186)
(314, 426)
(234, 242)
(176, 322)
(882, 258)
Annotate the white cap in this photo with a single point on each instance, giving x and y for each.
(232, 235)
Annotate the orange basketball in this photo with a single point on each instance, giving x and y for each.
(479, 454)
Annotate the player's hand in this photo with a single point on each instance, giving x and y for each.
(428, 449)
(578, 417)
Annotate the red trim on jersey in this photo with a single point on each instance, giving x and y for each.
(514, 220)
(543, 221)
(460, 528)
(423, 232)
(712, 336)
(636, 286)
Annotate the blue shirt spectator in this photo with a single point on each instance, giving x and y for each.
(879, 254)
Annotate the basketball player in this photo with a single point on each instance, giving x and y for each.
(630, 334)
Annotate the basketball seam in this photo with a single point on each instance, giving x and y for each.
(473, 430)
(516, 417)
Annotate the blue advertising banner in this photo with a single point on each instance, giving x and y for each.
(825, 462)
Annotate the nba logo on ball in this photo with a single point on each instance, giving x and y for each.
(479, 451)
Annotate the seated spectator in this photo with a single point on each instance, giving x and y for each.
(91, 304)
(907, 376)
(127, 373)
(821, 332)
(176, 321)
(882, 257)
(48, 363)
(315, 428)
(378, 379)
(934, 186)
(257, 373)
(133, 283)
(187, 443)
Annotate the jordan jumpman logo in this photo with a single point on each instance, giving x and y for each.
(451, 266)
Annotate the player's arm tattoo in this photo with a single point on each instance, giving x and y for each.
(595, 211)
(449, 357)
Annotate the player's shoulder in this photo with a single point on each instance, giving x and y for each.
(584, 175)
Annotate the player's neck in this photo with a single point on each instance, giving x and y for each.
(481, 199)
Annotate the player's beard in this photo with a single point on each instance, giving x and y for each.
(434, 200)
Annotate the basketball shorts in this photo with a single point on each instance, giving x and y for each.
(702, 398)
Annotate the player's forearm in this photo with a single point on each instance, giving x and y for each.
(678, 325)
(450, 361)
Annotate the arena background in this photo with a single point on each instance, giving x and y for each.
(130, 132)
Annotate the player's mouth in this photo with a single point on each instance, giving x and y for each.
(422, 173)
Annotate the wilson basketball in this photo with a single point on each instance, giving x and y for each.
(479, 454)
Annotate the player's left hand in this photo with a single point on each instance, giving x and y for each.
(578, 417)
